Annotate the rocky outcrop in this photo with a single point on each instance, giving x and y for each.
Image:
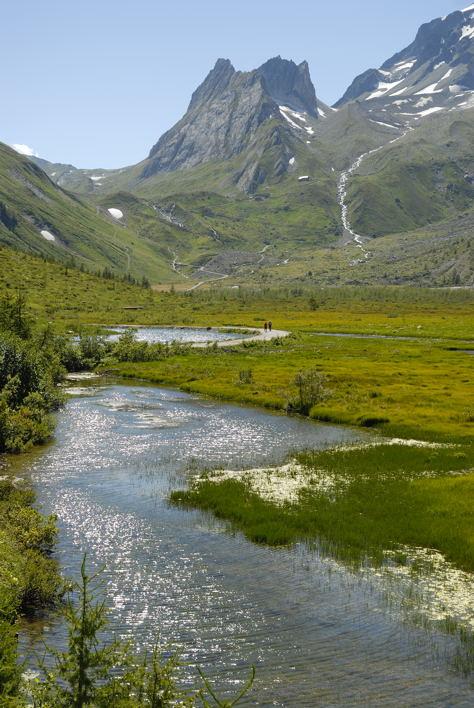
(438, 64)
(364, 83)
(226, 113)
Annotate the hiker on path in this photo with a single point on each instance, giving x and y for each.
(269, 326)
(265, 326)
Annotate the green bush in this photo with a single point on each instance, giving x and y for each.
(127, 348)
(30, 370)
(29, 578)
(311, 390)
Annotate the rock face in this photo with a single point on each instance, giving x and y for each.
(226, 114)
(435, 72)
(364, 83)
(290, 85)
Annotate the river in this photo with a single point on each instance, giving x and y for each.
(318, 633)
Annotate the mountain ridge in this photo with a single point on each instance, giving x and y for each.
(256, 163)
(227, 111)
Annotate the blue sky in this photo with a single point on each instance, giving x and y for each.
(96, 82)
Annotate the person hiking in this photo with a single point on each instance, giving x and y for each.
(269, 326)
(265, 326)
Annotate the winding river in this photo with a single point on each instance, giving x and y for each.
(318, 633)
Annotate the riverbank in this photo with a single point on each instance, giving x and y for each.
(412, 388)
(414, 491)
(29, 577)
(120, 449)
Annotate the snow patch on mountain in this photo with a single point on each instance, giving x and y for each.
(115, 213)
(429, 111)
(446, 76)
(286, 113)
(405, 65)
(399, 93)
(423, 102)
(429, 89)
(386, 125)
(382, 89)
(467, 31)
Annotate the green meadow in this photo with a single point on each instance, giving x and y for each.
(405, 373)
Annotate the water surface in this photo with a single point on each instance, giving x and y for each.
(317, 633)
(166, 335)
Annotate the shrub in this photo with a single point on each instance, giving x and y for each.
(246, 376)
(311, 390)
(92, 673)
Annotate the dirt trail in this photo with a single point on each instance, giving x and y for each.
(259, 335)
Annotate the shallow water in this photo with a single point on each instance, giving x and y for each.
(166, 335)
(317, 633)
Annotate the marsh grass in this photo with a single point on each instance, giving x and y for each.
(386, 503)
(382, 497)
(73, 299)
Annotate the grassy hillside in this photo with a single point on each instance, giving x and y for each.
(425, 178)
(30, 203)
(437, 255)
(66, 296)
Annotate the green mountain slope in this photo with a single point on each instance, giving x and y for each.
(68, 296)
(39, 217)
(426, 177)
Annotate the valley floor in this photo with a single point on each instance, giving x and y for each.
(404, 375)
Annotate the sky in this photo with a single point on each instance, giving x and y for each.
(94, 83)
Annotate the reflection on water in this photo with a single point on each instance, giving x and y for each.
(318, 634)
(165, 335)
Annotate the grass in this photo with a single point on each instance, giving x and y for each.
(422, 387)
(383, 499)
(66, 296)
(72, 299)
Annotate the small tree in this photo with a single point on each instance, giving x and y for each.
(91, 674)
(13, 316)
(82, 672)
(311, 389)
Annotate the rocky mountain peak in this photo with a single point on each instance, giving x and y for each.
(215, 82)
(432, 74)
(290, 84)
(227, 111)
